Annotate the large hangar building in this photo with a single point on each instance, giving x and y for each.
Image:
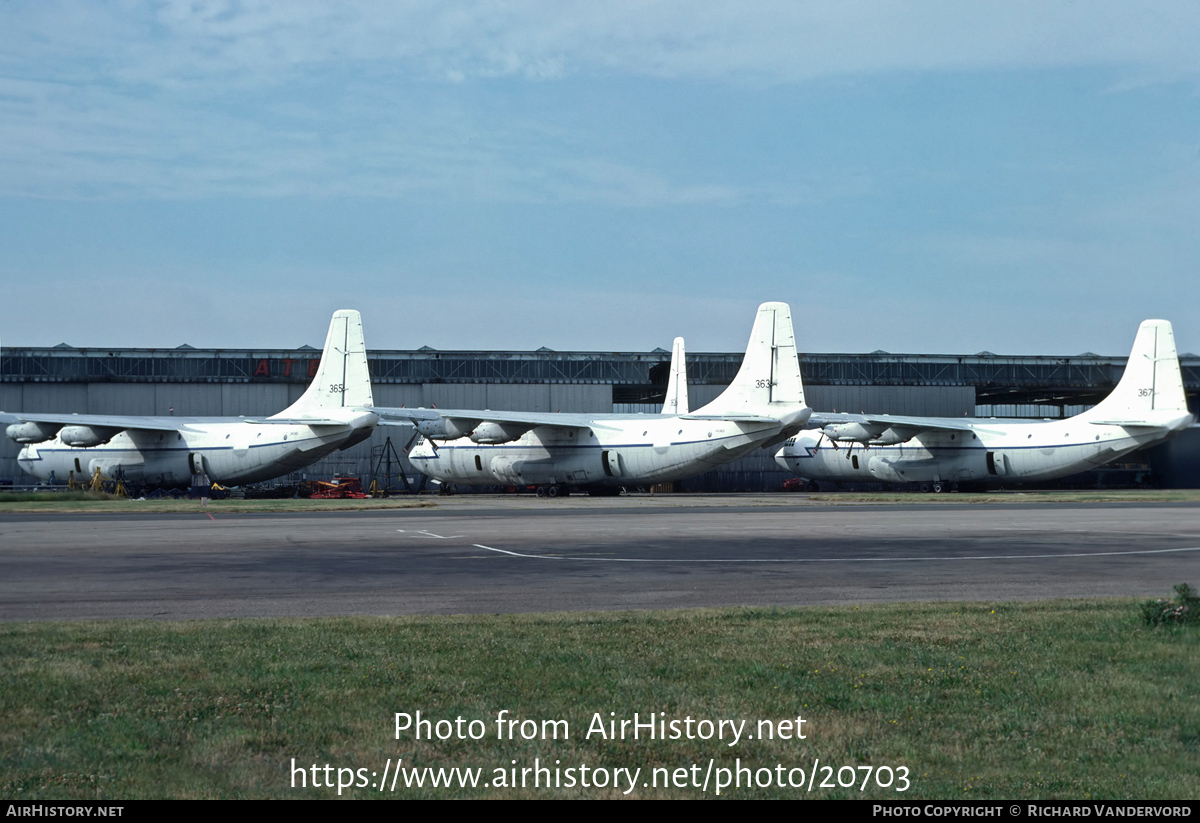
(232, 382)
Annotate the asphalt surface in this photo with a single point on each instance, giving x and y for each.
(496, 557)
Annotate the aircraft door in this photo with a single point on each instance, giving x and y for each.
(612, 463)
(997, 464)
(195, 462)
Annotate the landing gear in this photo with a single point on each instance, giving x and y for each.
(555, 490)
(939, 487)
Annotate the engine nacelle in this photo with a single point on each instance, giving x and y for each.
(445, 428)
(84, 436)
(894, 435)
(875, 434)
(490, 432)
(852, 432)
(30, 432)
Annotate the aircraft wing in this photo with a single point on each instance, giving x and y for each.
(110, 421)
(402, 416)
(394, 417)
(295, 421)
(820, 420)
(154, 423)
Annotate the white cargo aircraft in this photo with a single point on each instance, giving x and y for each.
(603, 452)
(1148, 405)
(331, 414)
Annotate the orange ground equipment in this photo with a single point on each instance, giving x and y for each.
(348, 488)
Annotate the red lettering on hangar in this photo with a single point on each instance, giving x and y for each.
(263, 367)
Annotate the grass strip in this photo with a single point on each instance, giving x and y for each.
(68, 502)
(1060, 699)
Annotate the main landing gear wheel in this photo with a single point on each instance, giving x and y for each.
(938, 488)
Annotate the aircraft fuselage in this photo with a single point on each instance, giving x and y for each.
(989, 452)
(232, 453)
(614, 452)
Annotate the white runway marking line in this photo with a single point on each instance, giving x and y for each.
(829, 559)
(424, 533)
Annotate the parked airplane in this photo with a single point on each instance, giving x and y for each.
(1148, 405)
(602, 452)
(231, 450)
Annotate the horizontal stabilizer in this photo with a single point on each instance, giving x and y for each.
(736, 418)
(297, 421)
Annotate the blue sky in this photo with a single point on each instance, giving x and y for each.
(1021, 177)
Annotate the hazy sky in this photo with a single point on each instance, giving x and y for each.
(1021, 177)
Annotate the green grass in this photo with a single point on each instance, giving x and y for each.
(1065, 699)
(78, 502)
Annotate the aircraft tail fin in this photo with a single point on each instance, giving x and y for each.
(677, 391)
(1151, 389)
(768, 383)
(342, 379)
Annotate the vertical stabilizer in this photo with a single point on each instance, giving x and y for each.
(1152, 386)
(342, 379)
(768, 383)
(677, 392)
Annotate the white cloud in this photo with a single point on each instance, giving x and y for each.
(246, 42)
(186, 99)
